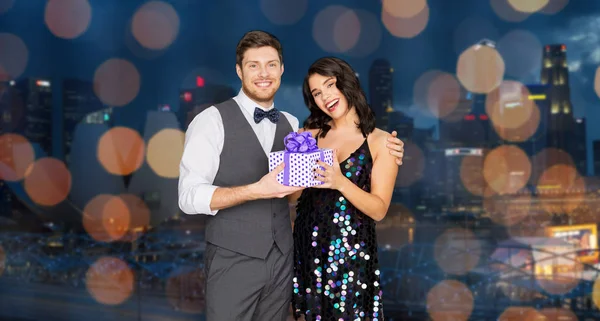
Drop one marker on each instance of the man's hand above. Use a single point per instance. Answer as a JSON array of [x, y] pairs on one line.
[[269, 187], [396, 147]]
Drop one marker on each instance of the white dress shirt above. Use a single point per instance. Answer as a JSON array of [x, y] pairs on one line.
[[202, 148]]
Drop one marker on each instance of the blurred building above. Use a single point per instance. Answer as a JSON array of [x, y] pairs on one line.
[[381, 90], [193, 101], [36, 121], [596, 151], [80, 104]]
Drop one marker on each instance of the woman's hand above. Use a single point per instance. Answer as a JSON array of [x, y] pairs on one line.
[[332, 176]]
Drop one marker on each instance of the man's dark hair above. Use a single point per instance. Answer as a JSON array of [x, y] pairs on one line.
[[347, 82], [257, 39]]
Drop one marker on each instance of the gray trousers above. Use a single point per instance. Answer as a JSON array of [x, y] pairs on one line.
[[243, 288]]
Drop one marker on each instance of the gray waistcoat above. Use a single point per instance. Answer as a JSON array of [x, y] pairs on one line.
[[252, 227]]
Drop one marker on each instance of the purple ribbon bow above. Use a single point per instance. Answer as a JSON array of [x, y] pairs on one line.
[[300, 142]]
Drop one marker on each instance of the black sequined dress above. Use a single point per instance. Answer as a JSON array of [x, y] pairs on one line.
[[336, 272]]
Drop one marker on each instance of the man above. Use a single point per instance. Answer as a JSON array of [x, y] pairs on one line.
[[224, 174]]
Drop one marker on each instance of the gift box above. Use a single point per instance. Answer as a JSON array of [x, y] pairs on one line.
[[300, 156]]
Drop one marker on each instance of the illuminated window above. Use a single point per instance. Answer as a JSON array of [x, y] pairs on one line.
[[555, 108], [547, 63]]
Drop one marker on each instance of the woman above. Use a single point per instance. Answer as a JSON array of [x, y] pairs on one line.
[[336, 273]]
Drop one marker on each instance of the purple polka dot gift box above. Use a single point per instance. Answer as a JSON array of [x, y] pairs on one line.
[[300, 156]]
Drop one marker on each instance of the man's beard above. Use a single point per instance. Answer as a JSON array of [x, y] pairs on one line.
[[259, 97]]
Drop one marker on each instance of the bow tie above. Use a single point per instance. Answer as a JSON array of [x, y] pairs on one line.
[[260, 114]]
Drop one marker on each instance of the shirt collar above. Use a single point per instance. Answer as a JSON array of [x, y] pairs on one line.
[[248, 104]]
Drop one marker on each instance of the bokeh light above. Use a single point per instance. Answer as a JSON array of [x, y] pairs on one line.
[[116, 82], [457, 251], [155, 25], [450, 300], [521, 314], [121, 151], [404, 8], [480, 69], [509, 106], [106, 218], [6, 5], [406, 27], [369, 35], [506, 12], [521, 50], [509, 209], [16, 155], [443, 95], [68, 19], [139, 217], [413, 165], [597, 82], [595, 292], [506, 169], [47, 181], [336, 26], [529, 6], [558, 314], [165, 149], [13, 56], [471, 175], [110, 281], [554, 6], [346, 31], [284, 12]]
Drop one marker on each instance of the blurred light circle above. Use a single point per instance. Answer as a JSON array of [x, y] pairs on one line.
[[558, 314], [443, 95], [346, 31], [6, 5], [404, 8], [16, 155], [522, 133], [47, 181], [554, 6], [106, 218], [521, 314], [13, 56], [529, 6], [450, 300], [480, 69], [506, 12], [406, 27], [110, 281], [116, 82], [68, 19], [369, 34], [506, 169], [139, 214], [413, 165], [284, 12], [165, 149], [471, 175], [155, 25], [472, 30], [330, 23], [597, 82], [121, 151], [509, 106], [457, 251], [520, 50], [422, 85]]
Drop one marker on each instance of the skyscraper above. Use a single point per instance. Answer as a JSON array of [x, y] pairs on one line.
[[36, 124], [194, 100], [80, 103], [556, 74], [381, 95]]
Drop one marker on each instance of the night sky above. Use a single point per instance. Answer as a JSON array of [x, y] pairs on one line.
[[209, 31]]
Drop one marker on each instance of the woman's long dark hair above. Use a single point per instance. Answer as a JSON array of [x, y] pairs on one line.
[[347, 82]]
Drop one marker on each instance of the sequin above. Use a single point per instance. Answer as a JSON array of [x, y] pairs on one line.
[[338, 278]]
